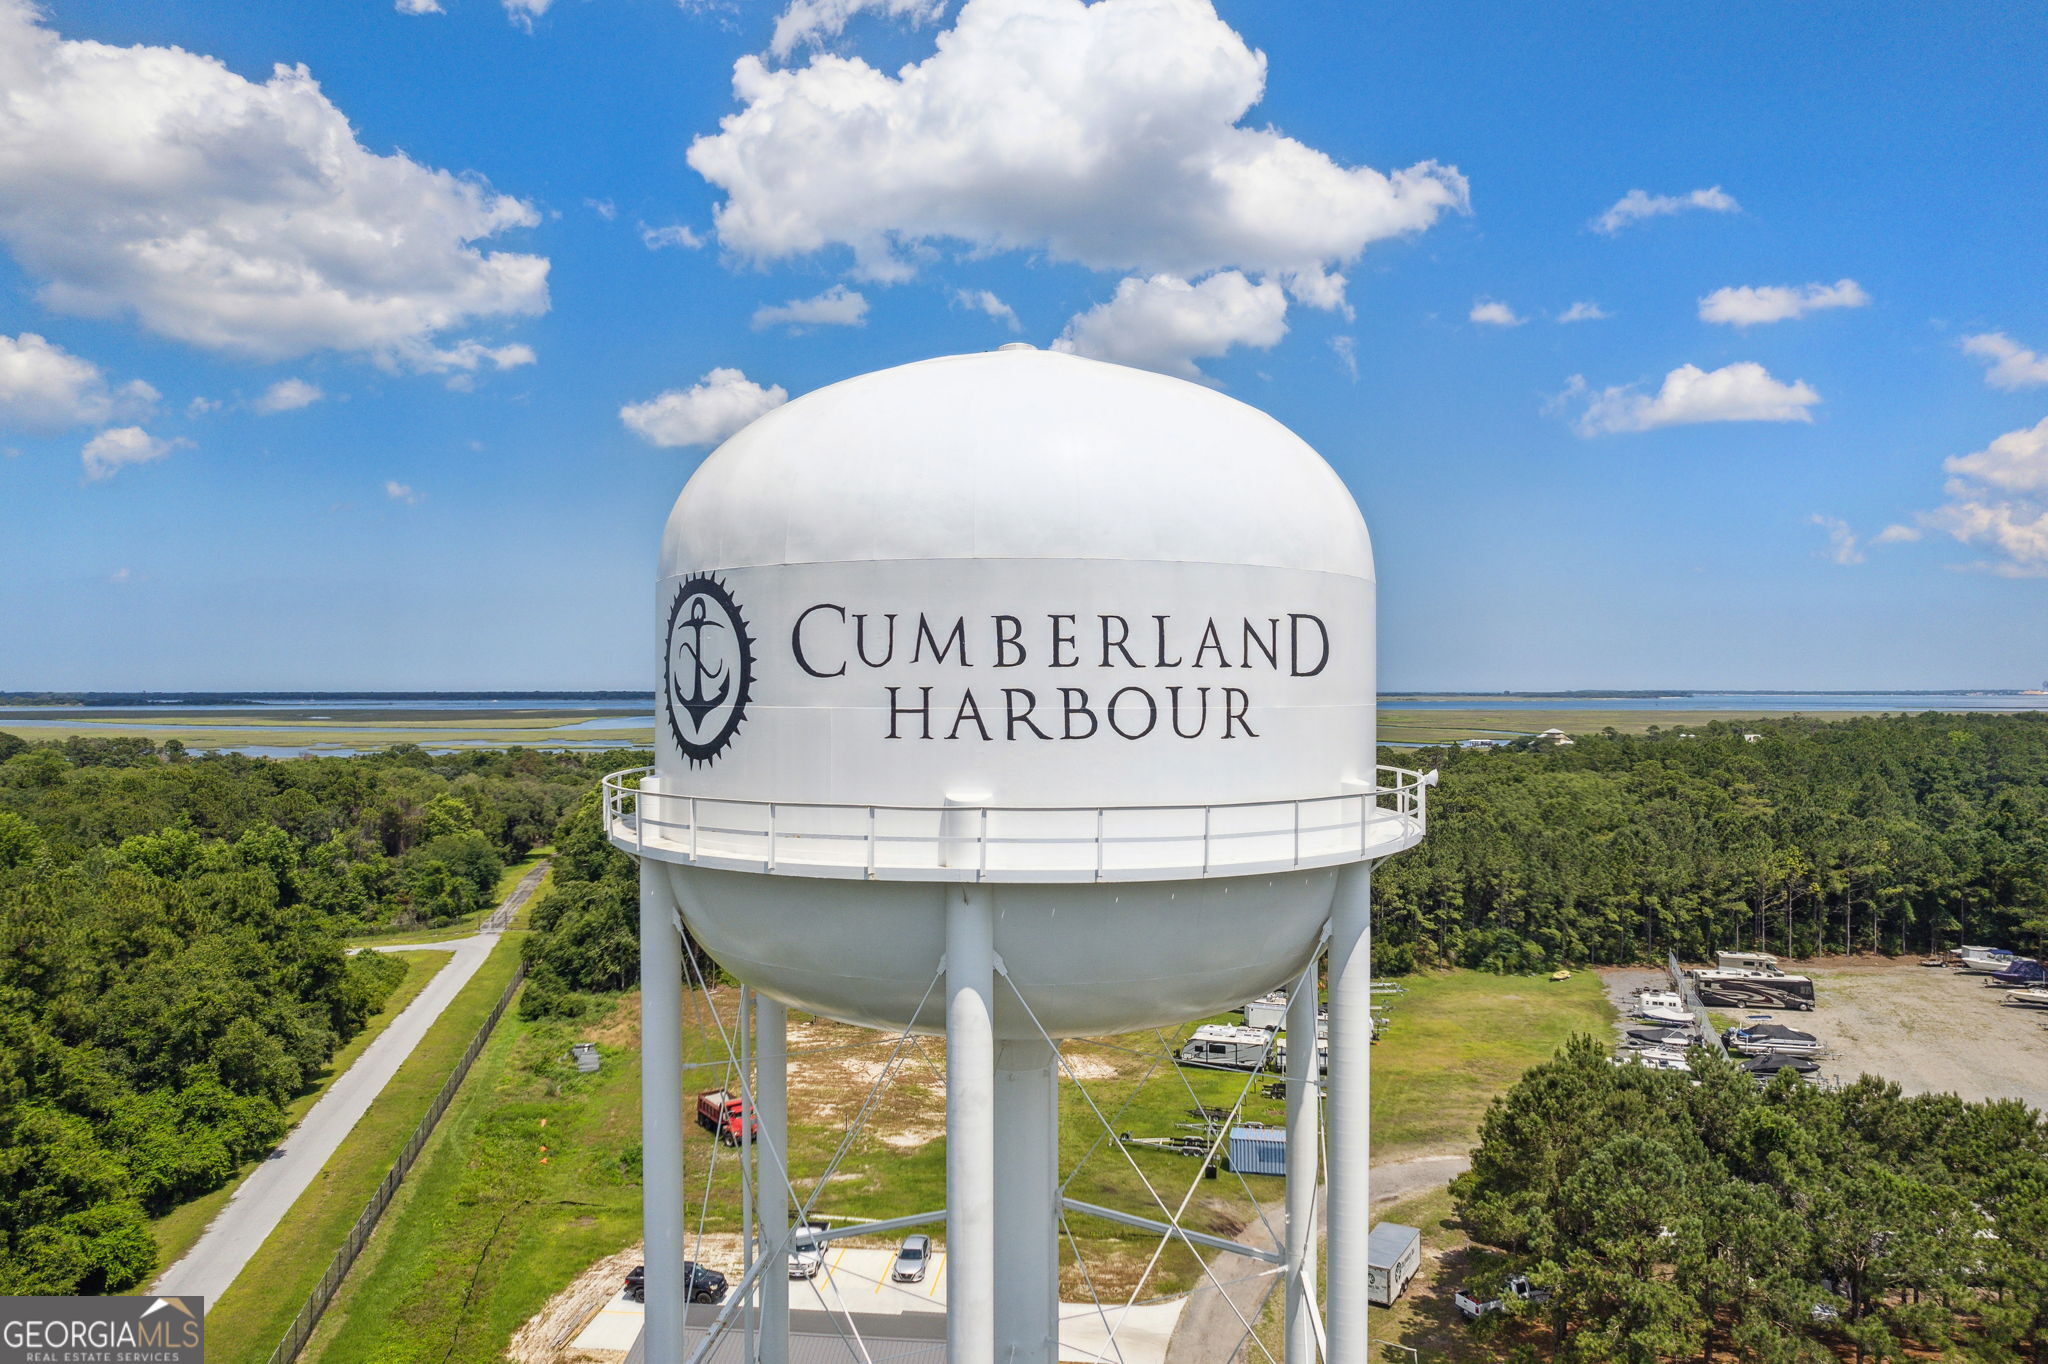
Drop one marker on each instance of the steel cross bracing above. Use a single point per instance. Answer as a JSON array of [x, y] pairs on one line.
[[741, 1304]]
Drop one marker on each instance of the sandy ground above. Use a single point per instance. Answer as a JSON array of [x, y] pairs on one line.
[[1932, 1030]]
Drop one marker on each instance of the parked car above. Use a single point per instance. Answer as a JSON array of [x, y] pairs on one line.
[[699, 1283], [912, 1259], [806, 1253], [1517, 1289]]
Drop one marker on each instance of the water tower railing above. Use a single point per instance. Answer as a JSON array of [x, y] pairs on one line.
[[1018, 843]]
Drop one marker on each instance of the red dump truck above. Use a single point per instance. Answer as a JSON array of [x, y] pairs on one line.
[[725, 1116]]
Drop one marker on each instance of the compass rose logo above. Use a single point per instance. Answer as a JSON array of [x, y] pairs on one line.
[[708, 668]]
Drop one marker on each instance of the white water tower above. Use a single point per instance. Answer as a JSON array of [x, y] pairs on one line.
[[1014, 697]]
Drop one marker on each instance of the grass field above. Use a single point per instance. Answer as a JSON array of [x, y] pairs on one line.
[[1459, 1038], [252, 1315], [533, 1176], [177, 1229]]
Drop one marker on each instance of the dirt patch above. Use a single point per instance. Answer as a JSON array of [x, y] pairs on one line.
[[545, 1337], [911, 1138], [1083, 1067]]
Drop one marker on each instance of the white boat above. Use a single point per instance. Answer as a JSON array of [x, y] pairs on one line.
[[1982, 960], [1655, 1058], [1662, 1006], [2036, 997]]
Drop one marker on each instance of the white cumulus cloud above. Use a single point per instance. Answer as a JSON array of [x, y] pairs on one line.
[[2013, 366], [814, 21], [1166, 323], [420, 7], [983, 301], [1842, 543], [1491, 312], [1107, 134], [1741, 392], [2016, 462], [45, 387], [233, 215], [287, 395], [111, 450], [1584, 311], [402, 492], [1748, 306], [706, 413], [838, 306], [1997, 499], [1637, 205]]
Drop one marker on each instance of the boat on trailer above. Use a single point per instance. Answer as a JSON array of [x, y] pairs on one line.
[[1662, 1006], [1982, 961], [1765, 1039], [2033, 997]]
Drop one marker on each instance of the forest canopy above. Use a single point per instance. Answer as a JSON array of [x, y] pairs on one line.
[[1894, 834], [173, 968]]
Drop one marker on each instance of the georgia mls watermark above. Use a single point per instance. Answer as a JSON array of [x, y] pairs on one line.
[[102, 1330]]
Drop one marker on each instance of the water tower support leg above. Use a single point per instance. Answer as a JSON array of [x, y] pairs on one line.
[[1027, 1307], [970, 1125], [661, 1117], [1304, 1088], [1350, 1112], [771, 1106]]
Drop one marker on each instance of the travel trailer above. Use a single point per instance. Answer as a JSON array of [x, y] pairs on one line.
[[1218, 1046]]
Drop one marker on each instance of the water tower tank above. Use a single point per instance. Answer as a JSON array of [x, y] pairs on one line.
[[1049, 679], [1123, 624]]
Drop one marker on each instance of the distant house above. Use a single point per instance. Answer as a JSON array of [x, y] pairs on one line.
[[1556, 736], [1751, 738], [1482, 743]]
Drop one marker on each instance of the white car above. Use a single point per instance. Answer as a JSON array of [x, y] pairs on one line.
[[806, 1253], [912, 1259]]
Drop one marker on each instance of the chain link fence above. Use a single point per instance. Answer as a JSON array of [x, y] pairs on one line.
[[1690, 993], [359, 1235]]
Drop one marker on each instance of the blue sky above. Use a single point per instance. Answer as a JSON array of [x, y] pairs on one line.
[[390, 318]]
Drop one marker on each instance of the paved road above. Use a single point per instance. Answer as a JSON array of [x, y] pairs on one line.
[[273, 1186], [1211, 1331]]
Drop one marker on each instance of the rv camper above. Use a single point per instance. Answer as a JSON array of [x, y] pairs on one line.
[[1751, 980], [1392, 1255], [1217, 1046]]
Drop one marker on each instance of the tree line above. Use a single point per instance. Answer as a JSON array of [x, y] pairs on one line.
[[1798, 836], [1676, 1217], [173, 969]]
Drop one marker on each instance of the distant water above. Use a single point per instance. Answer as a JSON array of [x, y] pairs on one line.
[[614, 715]]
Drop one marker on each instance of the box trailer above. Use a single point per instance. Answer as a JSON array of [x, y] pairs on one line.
[[1258, 1150], [1392, 1255]]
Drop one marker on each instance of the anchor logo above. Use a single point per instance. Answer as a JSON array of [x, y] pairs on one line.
[[708, 668]]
